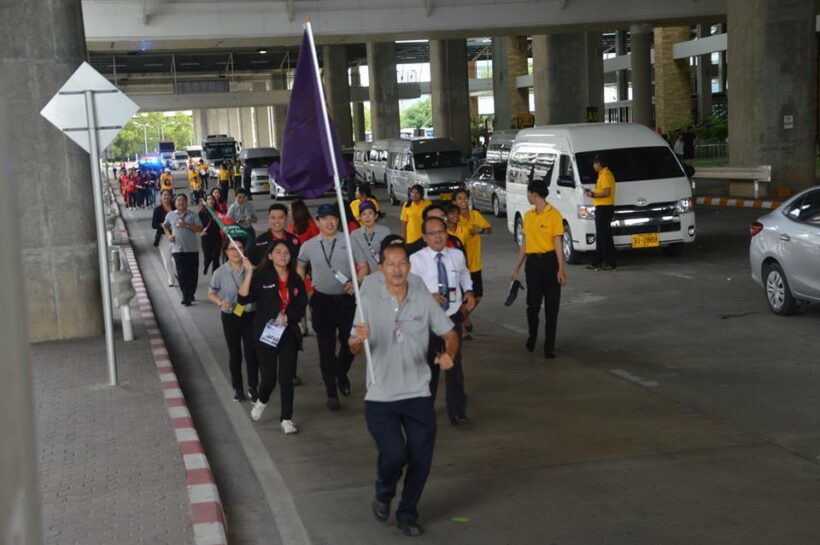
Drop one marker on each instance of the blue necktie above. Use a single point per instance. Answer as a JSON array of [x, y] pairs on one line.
[[443, 284]]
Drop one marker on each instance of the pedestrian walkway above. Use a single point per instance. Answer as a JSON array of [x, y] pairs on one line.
[[110, 468]]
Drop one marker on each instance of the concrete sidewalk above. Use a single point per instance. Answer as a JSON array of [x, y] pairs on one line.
[[110, 468]]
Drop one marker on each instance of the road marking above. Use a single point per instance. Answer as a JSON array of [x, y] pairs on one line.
[[515, 329], [633, 378], [678, 275]]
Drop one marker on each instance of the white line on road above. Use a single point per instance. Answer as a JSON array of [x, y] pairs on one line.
[[678, 275], [633, 378]]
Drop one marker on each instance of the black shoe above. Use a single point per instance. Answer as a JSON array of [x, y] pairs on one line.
[[183, 301], [238, 396], [297, 381], [333, 404], [594, 266], [549, 354], [609, 268], [205, 271], [344, 386], [187, 303], [460, 421], [410, 529], [253, 395], [531, 344], [381, 510]]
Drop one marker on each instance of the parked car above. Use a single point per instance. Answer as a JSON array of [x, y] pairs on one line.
[[487, 187], [784, 252], [376, 172]]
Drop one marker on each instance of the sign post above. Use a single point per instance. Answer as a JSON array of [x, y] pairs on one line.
[[91, 111]]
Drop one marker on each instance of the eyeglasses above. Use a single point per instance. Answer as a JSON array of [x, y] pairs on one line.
[[436, 232]]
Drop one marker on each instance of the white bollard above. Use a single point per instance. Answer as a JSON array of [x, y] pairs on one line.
[[125, 318]]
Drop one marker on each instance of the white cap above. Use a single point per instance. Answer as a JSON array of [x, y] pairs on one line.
[[167, 170]]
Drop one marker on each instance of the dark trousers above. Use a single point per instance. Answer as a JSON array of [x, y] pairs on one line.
[[211, 250], [453, 378], [223, 189], [246, 184], [238, 332], [204, 181], [541, 271], [332, 315], [279, 362], [237, 182], [187, 273], [405, 434], [604, 245]]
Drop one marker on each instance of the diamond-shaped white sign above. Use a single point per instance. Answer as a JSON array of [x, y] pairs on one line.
[[67, 109]]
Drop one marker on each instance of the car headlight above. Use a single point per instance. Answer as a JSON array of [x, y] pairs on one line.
[[683, 205], [586, 212]]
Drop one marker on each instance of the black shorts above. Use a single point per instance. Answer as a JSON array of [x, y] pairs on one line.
[[478, 284]]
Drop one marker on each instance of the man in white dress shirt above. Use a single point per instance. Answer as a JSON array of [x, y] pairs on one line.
[[445, 273]]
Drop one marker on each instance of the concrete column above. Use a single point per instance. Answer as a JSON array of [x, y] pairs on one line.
[[358, 107], [450, 91], [640, 37], [60, 265], [559, 78], [19, 491], [510, 55], [212, 120], [277, 115], [337, 89], [472, 73], [722, 63], [772, 53], [234, 123], [200, 125], [384, 90], [261, 118], [247, 128], [594, 45], [704, 78], [223, 119], [621, 76], [673, 80]]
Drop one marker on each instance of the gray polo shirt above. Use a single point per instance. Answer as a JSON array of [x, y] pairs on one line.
[[370, 243], [400, 369], [225, 282], [242, 212], [186, 240], [318, 251]]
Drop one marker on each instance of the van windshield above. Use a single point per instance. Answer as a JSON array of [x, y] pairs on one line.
[[437, 159], [632, 164], [259, 162]]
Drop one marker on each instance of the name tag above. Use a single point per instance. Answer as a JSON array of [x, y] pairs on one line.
[[272, 333], [238, 310], [341, 277]]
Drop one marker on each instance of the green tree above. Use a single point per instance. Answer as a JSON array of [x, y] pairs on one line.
[[418, 115], [148, 129]]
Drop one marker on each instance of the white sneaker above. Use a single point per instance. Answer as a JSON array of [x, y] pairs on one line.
[[288, 427], [257, 410]]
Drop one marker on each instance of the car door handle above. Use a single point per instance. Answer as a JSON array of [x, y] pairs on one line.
[[785, 238], [558, 191]]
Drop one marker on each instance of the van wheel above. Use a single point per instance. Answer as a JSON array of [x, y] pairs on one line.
[[518, 231], [571, 255], [672, 250], [393, 200], [497, 207], [778, 294]]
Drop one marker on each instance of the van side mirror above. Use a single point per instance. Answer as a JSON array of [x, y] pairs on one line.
[[566, 181], [408, 168], [689, 170]]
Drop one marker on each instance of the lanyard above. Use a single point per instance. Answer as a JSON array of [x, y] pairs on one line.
[[241, 278], [284, 295], [369, 240], [324, 253]]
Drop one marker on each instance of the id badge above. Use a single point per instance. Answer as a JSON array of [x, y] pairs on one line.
[[398, 336], [375, 254], [272, 334], [452, 296], [238, 310], [341, 277]]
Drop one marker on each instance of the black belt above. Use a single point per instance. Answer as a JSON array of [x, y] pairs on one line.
[[337, 296], [542, 254]]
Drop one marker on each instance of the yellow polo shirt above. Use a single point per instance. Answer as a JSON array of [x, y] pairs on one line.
[[605, 180], [194, 181], [166, 181], [411, 215], [354, 206], [472, 244], [224, 175], [540, 230]]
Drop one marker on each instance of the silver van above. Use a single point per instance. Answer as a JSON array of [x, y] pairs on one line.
[[436, 164], [257, 160], [499, 146], [376, 169], [361, 159]]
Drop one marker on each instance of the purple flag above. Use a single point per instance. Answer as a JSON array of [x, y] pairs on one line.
[[305, 166]]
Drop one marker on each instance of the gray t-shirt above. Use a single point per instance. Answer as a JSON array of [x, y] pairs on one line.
[[318, 251], [186, 240], [242, 212], [370, 243], [399, 337], [225, 282]]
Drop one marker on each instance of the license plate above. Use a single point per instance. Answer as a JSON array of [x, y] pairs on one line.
[[266, 185], [646, 240], [446, 196]]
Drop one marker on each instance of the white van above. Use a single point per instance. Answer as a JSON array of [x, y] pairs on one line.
[[653, 196], [499, 146], [436, 164], [376, 173], [257, 161], [180, 160], [361, 158]]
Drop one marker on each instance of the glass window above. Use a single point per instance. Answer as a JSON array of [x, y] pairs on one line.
[[374, 154], [438, 159], [632, 164], [260, 162], [499, 174], [807, 208], [525, 166]]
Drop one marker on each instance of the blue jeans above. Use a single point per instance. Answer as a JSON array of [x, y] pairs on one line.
[[405, 434]]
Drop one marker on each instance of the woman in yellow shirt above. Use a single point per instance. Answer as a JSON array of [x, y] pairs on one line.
[[195, 185], [472, 224], [411, 214], [166, 181], [543, 232]]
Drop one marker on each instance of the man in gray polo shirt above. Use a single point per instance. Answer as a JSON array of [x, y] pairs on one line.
[[332, 304], [399, 316], [181, 226]]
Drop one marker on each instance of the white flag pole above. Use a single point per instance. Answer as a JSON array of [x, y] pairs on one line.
[[338, 186]]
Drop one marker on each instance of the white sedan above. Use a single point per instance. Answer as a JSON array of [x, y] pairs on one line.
[[785, 252]]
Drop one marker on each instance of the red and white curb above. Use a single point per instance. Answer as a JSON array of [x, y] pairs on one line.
[[206, 506], [737, 203]]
